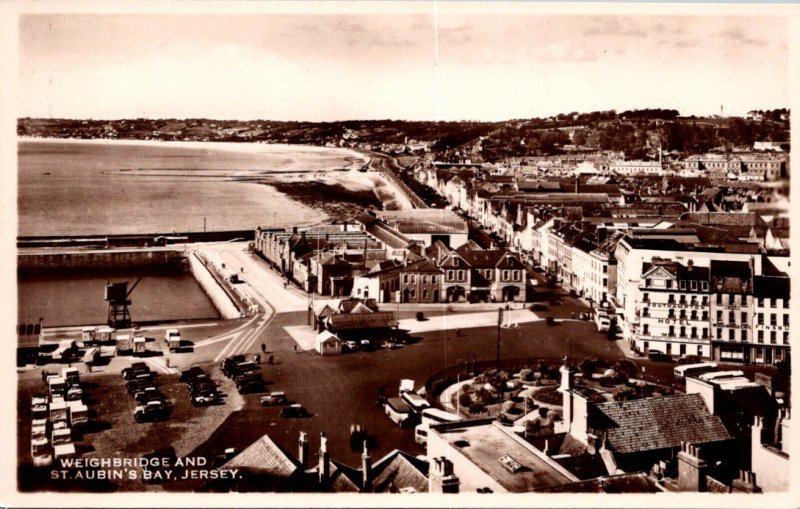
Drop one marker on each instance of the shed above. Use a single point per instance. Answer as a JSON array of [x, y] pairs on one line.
[[328, 343]]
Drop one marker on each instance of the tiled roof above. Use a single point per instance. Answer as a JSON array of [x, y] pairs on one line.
[[657, 423], [377, 320], [399, 470], [264, 457]]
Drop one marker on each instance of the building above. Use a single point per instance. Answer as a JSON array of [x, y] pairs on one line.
[[631, 168], [420, 282], [427, 225]]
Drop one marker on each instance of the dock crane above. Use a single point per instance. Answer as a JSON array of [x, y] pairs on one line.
[[118, 297]]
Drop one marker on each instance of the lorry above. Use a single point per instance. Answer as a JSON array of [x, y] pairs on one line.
[[397, 410], [65, 350], [58, 411], [57, 386], [71, 375], [173, 339], [78, 413], [139, 345], [40, 453]]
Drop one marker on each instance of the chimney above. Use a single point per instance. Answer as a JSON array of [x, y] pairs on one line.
[[577, 184], [441, 478], [746, 483], [324, 459], [366, 469], [690, 266], [294, 229], [691, 469], [303, 450], [303, 235]]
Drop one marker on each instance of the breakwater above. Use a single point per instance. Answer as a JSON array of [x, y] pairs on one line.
[[60, 260]]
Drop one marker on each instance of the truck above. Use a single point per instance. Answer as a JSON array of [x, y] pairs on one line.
[[78, 413], [88, 335], [57, 386], [65, 350], [71, 376], [173, 339], [124, 344], [40, 453], [61, 436], [139, 345], [39, 407], [397, 410], [58, 411]]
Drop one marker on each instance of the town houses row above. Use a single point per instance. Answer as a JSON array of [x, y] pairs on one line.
[[420, 256]]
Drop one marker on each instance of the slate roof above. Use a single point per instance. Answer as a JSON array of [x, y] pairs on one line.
[[399, 470], [264, 457], [657, 423], [377, 320], [422, 266], [638, 482]]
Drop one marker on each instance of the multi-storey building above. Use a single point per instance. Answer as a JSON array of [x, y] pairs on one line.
[[731, 311], [771, 313], [674, 308]]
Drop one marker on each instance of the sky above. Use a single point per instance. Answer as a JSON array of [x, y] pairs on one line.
[[427, 63]]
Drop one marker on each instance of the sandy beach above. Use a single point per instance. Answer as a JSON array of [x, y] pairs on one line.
[[173, 185]]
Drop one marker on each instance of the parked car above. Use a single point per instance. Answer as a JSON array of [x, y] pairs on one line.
[[350, 345], [137, 385], [690, 359], [151, 411], [251, 385], [187, 375], [136, 369], [231, 361], [205, 398], [388, 345], [365, 344], [148, 394], [657, 355], [274, 399], [293, 411]]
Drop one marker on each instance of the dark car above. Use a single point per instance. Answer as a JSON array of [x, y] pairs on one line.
[[148, 394], [293, 411], [251, 385], [190, 374], [690, 359], [136, 366], [135, 386], [206, 387], [249, 378], [231, 361], [151, 411], [658, 356], [133, 374]]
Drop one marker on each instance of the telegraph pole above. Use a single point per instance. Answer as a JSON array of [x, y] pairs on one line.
[[499, 322]]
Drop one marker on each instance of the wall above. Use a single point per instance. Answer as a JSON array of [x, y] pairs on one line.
[[227, 309], [60, 260]]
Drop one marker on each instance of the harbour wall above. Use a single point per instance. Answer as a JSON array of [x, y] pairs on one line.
[[41, 261], [221, 300]]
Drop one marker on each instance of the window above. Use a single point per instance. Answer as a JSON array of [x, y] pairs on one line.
[[450, 275], [719, 299], [761, 302], [773, 337], [694, 332], [669, 284], [605, 269], [731, 335], [699, 351], [705, 300], [745, 299], [761, 319], [682, 350], [731, 317], [646, 329], [705, 333], [424, 294], [694, 285], [671, 299], [731, 299], [719, 333], [645, 297], [424, 280], [648, 282], [683, 285], [744, 317], [694, 300], [773, 302], [773, 319], [671, 330], [694, 315], [461, 275], [760, 336], [704, 286], [785, 303], [683, 332], [719, 315], [683, 314], [605, 281], [682, 299], [744, 336], [405, 278], [413, 294], [786, 337], [516, 275], [705, 316], [413, 279], [645, 312], [505, 275], [671, 314]]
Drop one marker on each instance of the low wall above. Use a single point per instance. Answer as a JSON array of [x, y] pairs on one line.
[[60, 260], [224, 304]]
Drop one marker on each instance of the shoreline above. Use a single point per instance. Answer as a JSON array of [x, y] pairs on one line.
[[385, 191]]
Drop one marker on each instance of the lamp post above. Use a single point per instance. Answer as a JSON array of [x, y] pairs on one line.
[[499, 322]]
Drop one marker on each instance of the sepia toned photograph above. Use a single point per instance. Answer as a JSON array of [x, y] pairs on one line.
[[477, 250]]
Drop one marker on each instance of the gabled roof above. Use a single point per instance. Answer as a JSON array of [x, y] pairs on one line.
[[360, 308], [264, 458], [648, 424], [399, 470], [508, 262], [344, 479], [469, 245], [376, 320], [421, 266], [454, 260], [486, 259]]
